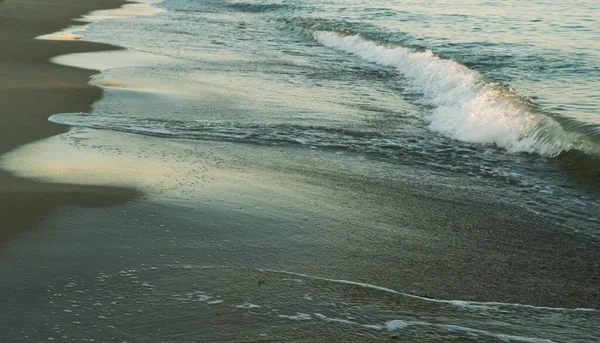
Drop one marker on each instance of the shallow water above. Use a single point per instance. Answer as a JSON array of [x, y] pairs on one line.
[[488, 91], [183, 273], [345, 128], [179, 302]]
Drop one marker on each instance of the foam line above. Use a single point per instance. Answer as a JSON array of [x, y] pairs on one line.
[[133, 9], [474, 305], [396, 325], [465, 107]]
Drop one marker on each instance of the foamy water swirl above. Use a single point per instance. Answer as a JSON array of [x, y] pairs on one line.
[[465, 107]]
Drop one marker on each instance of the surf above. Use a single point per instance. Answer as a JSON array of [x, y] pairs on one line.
[[464, 106]]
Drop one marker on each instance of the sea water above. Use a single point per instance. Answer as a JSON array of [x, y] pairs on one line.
[[497, 99], [506, 93]]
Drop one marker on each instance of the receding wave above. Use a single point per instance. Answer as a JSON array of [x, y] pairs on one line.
[[226, 130], [424, 149], [400, 146], [300, 303], [465, 106]]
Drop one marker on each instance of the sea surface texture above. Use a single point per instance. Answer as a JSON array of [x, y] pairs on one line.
[[501, 98], [502, 92]]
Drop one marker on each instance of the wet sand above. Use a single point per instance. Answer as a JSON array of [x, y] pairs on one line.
[[31, 89], [431, 242]]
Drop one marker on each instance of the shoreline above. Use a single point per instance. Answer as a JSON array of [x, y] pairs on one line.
[[66, 89], [239, 242], [259, 226], [29, 75]]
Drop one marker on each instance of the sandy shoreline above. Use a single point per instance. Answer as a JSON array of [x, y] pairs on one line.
[[326, 223], [460, 232], [31, 89]]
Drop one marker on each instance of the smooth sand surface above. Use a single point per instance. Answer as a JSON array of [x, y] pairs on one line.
[[32, 89]]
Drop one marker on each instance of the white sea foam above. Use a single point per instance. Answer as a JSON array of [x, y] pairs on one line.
[[465, 107], [247, 305], [333, 320], [398, 325], [298, 316], [473, 305], [130, 10]]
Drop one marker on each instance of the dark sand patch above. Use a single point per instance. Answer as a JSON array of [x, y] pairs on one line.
[[32, 89]]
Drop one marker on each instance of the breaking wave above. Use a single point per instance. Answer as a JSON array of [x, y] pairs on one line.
[[465, 106]]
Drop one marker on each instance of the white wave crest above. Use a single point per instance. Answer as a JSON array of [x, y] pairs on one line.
[[465, 107]]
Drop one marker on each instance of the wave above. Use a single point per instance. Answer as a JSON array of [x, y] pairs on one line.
[[464, 106], [399, 146], [396, 325], [474, 313], [308, 135], [472, 305], [401, 325]]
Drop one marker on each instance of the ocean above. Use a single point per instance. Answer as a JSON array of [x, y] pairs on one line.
[[501, 93], [486, 100]]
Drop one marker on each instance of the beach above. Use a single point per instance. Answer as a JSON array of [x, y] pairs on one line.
[[31, 88], [109, 235]]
